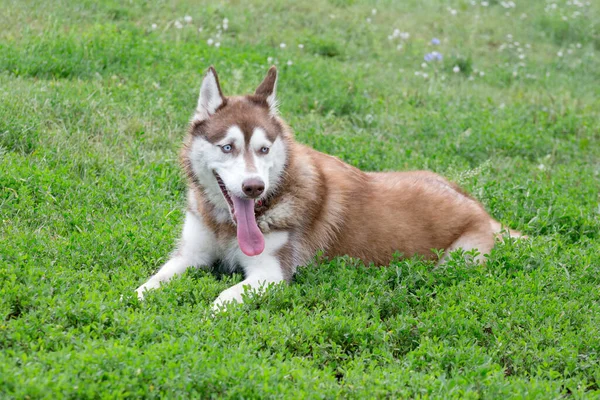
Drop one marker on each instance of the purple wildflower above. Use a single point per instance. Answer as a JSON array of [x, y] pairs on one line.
[[435, 41], [433, 56]]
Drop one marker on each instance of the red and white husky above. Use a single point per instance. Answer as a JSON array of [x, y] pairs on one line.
[[259, 200]]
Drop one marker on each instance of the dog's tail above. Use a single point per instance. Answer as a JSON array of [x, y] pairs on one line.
[[501, 231]]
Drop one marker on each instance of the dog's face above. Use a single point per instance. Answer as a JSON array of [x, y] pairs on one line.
[[238, 150]]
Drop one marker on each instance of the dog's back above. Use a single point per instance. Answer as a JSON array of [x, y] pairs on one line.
[[378, 214]]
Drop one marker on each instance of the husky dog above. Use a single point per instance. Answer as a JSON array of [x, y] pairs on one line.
[[259, 200]]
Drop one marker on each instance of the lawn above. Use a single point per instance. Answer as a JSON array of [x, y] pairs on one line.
[[502, 98]]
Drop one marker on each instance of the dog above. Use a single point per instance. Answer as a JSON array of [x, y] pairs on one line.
[[259, 200]]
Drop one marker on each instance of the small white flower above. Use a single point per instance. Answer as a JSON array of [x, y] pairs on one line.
[[225, 21], [564, 18], [481, 73], [178, 25], [424, 65], [501, 106], [404, 35], [425, 75], [187, 19], [417, 73], [399, 47], [270, 60], [300, 46], [374, 11], [282, 45], [570, 51], [521, 56], [471, 78], [485, 3], [541, 167], [523, 16], [210, 42], [456, 69], [218, 44], [453, 11], [578, 45], [200, 29], [289, 62], [560, 54], [515, 73], [368, 20], [154, 26]]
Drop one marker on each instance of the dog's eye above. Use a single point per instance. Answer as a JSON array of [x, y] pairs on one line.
[[264, 150], [227, 148]]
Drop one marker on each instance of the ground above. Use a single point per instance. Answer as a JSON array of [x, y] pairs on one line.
[[500, 97]]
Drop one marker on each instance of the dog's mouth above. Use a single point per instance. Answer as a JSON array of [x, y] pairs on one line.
[[249, 236]]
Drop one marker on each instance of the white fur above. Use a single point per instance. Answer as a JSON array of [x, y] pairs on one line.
[[196, 248], [260, 271], [199, 247], [210, 97]]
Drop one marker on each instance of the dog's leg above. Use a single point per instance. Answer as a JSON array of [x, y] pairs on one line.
[[196, 248], [479, 237], [260, 271]]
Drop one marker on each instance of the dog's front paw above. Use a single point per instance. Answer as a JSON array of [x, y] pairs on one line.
[[152, 283], [231, 295]]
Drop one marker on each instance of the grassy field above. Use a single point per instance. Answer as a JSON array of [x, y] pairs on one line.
[[94, 102]]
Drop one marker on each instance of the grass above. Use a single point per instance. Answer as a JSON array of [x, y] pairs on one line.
[[94, 104]]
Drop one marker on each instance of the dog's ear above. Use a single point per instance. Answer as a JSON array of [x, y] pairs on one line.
[[210, 98], [268, 88]]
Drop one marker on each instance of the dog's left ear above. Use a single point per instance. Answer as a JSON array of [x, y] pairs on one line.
[[268, 88]]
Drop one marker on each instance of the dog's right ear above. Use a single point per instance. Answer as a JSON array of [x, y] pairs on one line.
[[210, 98]]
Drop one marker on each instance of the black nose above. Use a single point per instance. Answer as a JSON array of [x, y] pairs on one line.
[[253, 187]]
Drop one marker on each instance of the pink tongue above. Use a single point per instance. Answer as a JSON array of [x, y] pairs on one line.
[[249, 237]]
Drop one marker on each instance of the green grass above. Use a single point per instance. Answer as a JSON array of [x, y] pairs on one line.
[[94, 105]]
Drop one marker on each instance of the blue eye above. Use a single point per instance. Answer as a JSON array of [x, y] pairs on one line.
[[227, 148], [264, 150]]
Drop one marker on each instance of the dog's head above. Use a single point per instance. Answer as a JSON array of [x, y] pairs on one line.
[[237, 152]]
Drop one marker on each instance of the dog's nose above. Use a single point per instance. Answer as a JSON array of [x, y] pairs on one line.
[[253, 187]]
